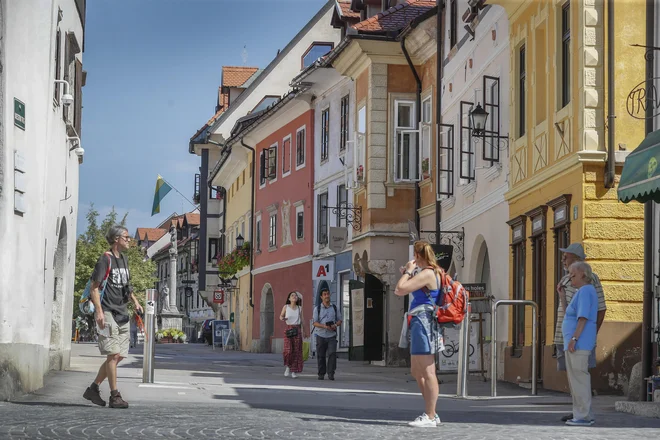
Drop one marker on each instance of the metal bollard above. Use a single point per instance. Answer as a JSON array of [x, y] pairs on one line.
[[493, 341], [464, 356], [149, 337]]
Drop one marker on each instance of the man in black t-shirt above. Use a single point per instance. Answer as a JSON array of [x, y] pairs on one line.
[[111, 314]]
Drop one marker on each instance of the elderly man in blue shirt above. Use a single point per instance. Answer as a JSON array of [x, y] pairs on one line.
[[327, 318]]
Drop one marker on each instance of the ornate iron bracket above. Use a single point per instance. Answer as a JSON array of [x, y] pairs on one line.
[[347, 211], [454, 238], [483, 135]]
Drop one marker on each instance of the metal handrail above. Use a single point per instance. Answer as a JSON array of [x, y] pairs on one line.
[[493, 342]]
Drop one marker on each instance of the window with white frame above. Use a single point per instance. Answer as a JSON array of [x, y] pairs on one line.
[[322, 207], [272, 230], [257, 232], [467, 154], [286, 156], [427, 113], [272, 162], [406, 151], [300, 222], [446, 160], [344, 123], [359, 151], [300, 148], [325, 133], [342, 204]]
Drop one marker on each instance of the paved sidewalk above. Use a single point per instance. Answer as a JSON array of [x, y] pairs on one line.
[[201, 393]]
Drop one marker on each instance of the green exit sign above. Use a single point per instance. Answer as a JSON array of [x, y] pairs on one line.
[[19, 114]]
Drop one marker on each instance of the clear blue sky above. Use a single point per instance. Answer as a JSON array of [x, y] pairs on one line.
[[153, 70]]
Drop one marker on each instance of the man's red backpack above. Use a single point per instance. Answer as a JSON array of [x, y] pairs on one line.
[[452, 303]]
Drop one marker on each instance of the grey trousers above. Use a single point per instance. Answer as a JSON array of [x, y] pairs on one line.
[[326, 347], [579, 380]]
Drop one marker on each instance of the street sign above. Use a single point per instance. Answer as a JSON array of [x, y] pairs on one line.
[[219, 296], [477, 290], [188, 281], [338, 238], [323, 270], [19, 114]]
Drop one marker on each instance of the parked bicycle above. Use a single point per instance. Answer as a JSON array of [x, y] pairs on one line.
[[452, 347]]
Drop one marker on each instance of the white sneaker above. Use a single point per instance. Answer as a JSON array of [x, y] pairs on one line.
[[423, 421], [437, 420], [294, 375], [287, 371]]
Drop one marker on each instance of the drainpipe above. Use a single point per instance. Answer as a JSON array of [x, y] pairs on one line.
[[610, 171], [418, 113], [438, 111], [254, 177], [649, 226]]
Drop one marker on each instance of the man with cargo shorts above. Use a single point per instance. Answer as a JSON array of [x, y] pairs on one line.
[[111, 314], [565, 290]]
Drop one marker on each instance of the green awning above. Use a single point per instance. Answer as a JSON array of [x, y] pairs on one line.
[[640, 179]]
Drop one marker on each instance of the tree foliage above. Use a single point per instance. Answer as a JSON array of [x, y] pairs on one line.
[[92, 244]]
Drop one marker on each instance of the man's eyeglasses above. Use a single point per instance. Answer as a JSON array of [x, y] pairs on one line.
[[126, 237]]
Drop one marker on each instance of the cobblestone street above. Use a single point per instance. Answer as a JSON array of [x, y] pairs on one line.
[[200, 393]]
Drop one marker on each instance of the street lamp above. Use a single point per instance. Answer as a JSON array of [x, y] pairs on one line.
[[479, 117], [239, 241], [233, 281]]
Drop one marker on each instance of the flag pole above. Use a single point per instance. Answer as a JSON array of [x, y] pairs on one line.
[[184, 197]]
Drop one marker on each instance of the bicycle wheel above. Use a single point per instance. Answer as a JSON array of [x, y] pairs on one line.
[[471, 349], [449, 351]]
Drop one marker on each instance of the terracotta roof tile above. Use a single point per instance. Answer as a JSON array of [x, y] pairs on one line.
[[345, 10], [395, 18], [193, 219], [210, 121], [234, 76], [150, 234]]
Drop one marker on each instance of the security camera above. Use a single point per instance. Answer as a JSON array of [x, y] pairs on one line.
[[80, 151], [67, 99]]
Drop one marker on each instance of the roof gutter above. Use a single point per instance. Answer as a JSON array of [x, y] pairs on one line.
[[238, 137], [418, 113]]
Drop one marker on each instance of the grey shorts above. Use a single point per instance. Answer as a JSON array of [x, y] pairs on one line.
[[118, 341]]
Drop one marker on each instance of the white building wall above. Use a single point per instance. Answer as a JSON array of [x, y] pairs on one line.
[[331, 173], [479, 206], [284, 69], [35, 311]]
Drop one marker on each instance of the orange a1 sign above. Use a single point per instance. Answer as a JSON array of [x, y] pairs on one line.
[[219, 296], [323, 270]]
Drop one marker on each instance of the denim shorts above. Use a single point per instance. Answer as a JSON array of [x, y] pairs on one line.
[[419, 339]]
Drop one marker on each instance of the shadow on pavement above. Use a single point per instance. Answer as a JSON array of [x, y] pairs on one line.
[[367, 408], [52, 404]]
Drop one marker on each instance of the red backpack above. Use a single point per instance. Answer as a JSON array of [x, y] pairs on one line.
[[452, 303]]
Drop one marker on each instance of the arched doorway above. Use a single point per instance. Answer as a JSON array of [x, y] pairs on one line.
[[58, 328], [267, 319]]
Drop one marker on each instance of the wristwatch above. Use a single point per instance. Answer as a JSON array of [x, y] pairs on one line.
[[574, 339]]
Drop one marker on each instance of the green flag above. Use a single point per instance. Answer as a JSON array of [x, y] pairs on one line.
[[162, 188]]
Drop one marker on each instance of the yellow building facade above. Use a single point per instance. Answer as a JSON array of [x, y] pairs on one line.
[[558, 160], [238, 215]]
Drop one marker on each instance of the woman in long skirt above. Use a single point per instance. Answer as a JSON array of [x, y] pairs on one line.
[[293, 344]]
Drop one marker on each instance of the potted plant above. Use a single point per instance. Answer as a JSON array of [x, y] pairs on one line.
[[233, 262], [425, 168], [360, 173]]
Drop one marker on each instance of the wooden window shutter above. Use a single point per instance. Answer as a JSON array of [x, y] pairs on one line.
[[77, 116]]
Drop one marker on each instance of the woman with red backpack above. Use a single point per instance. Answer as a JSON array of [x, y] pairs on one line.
[[425, 334]]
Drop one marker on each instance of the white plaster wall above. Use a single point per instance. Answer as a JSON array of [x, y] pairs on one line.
[[480, 206], [276, 82], [29, 241], [330, 173]]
